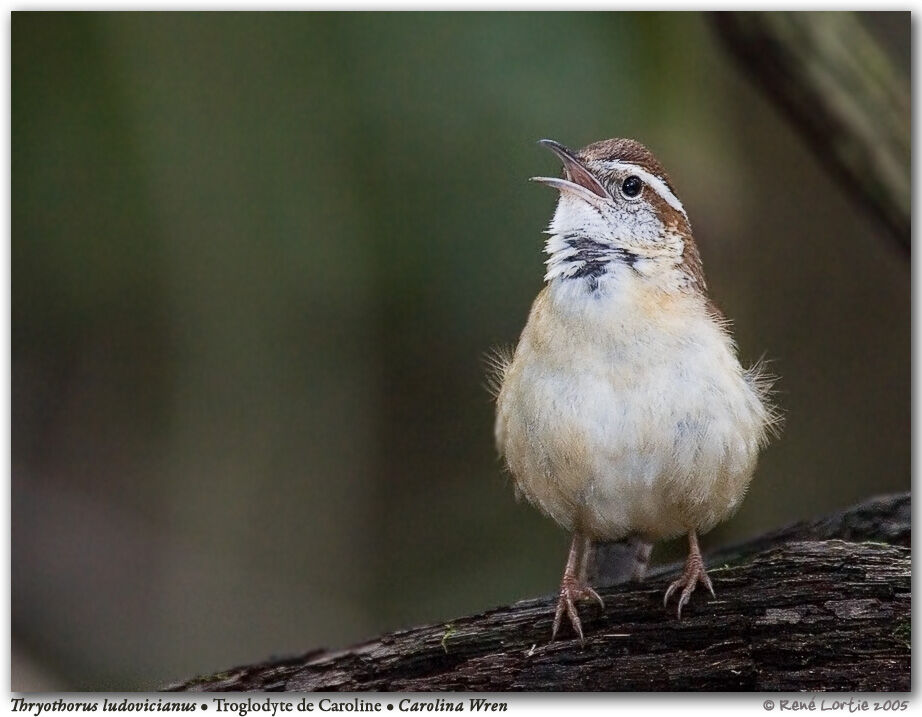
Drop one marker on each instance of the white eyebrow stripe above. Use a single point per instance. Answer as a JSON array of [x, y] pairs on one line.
[[659, 186]]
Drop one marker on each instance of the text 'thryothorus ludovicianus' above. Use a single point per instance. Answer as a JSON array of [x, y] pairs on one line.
[[624, 410]]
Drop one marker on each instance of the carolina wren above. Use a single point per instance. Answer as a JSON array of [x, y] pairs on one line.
[[624, 410]]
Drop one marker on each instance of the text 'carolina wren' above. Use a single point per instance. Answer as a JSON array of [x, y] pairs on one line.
[[624, 410]]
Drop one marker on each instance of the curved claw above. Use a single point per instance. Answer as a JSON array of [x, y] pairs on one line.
[[706, 581], [685, 597], [570, 592], [693, 574], [673, 586], [590, 593]]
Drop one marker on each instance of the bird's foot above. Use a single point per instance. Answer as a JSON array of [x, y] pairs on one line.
[[693, 574], [571, 590]]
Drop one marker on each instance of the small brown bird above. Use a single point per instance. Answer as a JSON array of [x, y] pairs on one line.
[[624, 410]]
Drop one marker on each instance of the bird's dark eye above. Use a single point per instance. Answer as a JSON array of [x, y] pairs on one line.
[[632, 186]]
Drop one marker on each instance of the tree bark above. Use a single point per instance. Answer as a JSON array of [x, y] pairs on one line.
[[818, 614], [839, 88]]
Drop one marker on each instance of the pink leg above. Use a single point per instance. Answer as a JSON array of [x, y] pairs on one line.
[[573, 587], [693, 574]]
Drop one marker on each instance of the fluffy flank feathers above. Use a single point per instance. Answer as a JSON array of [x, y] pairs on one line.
[[496, 361], [762, 381]]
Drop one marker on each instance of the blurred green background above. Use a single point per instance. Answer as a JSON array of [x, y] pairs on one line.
[[256, 260]]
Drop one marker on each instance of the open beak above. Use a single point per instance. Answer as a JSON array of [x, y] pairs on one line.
[[579, 180]]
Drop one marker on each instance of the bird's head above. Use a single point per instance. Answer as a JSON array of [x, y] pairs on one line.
[[617, 212]]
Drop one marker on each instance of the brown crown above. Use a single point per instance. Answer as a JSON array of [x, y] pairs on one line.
[[625, 150]]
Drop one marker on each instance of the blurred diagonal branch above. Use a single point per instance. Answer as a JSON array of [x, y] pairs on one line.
[[840, 89], [824, 614]]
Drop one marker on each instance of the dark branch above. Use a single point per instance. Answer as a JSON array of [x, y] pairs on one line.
[[886, 519], [819, 615]]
